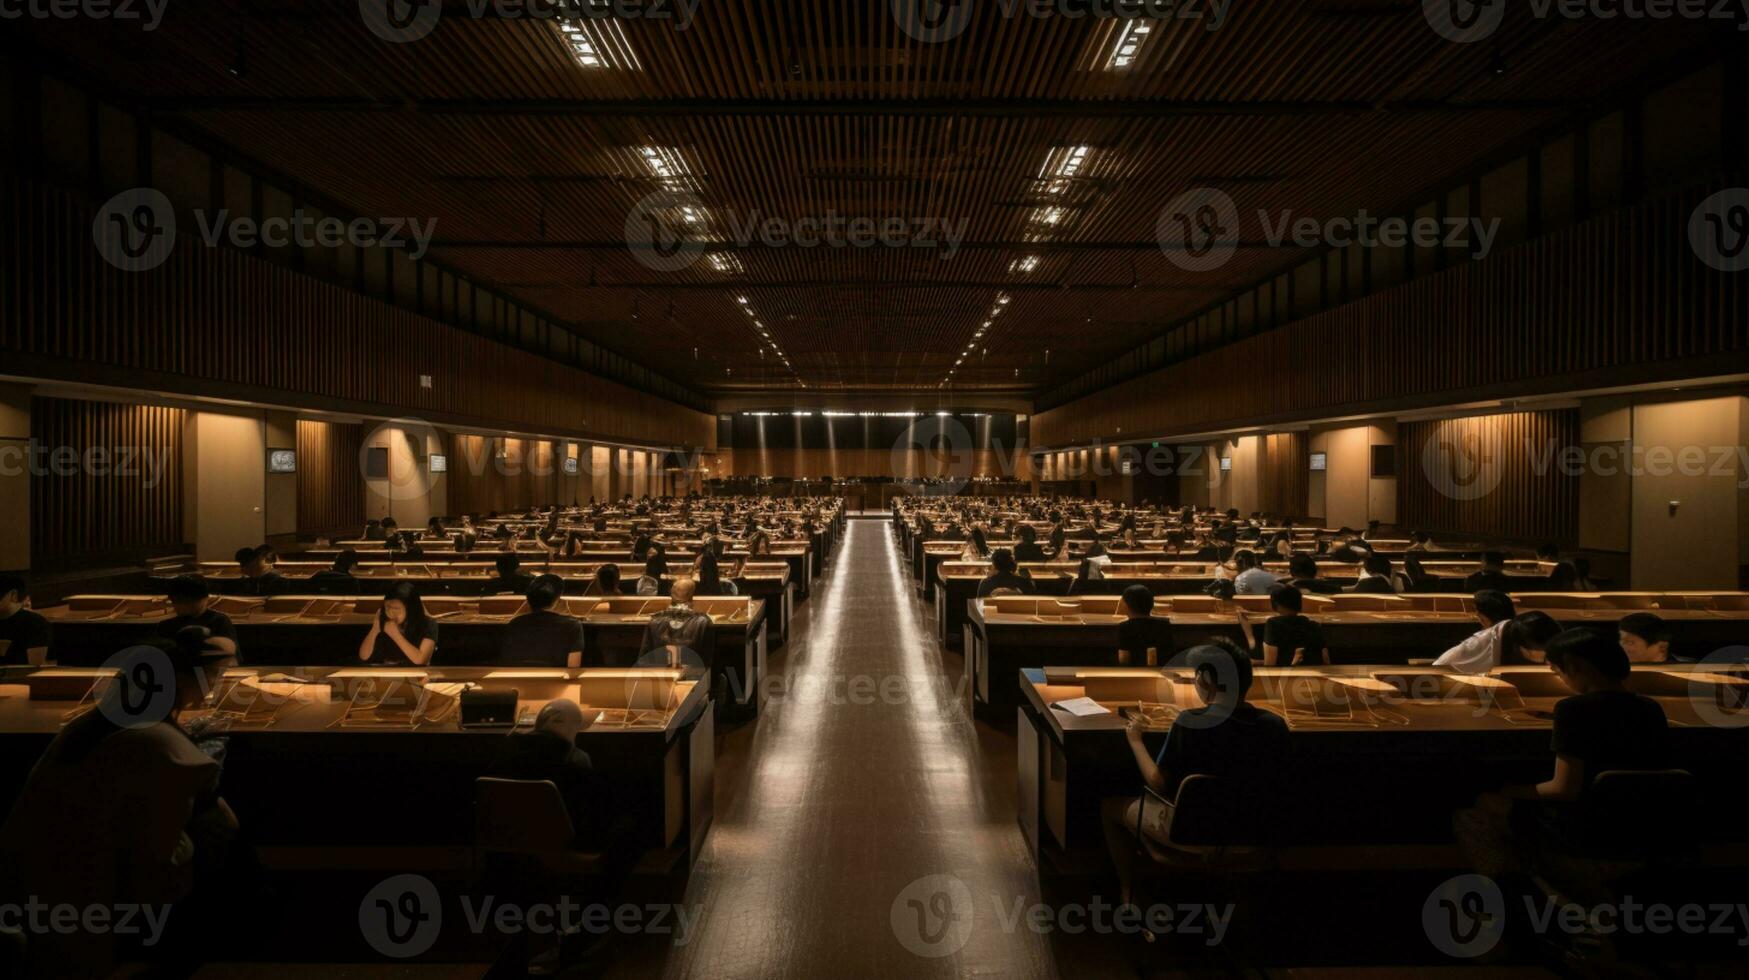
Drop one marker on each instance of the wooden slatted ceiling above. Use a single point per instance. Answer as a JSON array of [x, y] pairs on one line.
[[1329, 108]]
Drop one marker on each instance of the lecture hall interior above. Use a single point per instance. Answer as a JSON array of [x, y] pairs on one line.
[[874, 488]]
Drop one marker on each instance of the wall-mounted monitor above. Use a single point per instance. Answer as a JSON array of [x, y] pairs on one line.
[[571, 466], [376, 463], [1320, 462], [1226, 463], [282, 461], [437, 464]]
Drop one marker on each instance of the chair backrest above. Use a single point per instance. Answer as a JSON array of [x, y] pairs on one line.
[[520, 816], [1214, 812], [1624, 806]]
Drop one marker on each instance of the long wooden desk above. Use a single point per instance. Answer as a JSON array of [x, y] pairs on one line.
[[325, 631], [1369, 763], [800, 559], [307, 783], [1004, 635]]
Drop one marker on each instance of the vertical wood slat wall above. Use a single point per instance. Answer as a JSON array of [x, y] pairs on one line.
[[1615, 296], [330, 480], [1445, 466], [215, 315], [1286, 478], [108, 507], [530, 474]]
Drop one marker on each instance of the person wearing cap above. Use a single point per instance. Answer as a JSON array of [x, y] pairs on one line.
[[1005, 576], [191, 600], [1142, 637], [1228, 738]]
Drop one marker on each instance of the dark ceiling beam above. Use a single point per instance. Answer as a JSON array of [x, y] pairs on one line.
[[998, 108], [558, 245], [856, 286]]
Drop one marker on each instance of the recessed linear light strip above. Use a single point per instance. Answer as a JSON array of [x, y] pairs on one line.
[[1002, 301], [596, 39], [1062, 166], [765, 337]]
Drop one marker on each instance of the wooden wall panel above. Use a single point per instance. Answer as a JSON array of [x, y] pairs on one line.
[[816, 463], [116, 494], [1283, 483], [330, 481], [1621, 298], [216, 319], [529, 473], [1494, 474]]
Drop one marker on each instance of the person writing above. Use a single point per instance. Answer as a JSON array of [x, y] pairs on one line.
[[401, 634], [191, 604]]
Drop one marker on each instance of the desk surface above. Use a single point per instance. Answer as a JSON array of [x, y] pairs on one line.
[[306, 610]]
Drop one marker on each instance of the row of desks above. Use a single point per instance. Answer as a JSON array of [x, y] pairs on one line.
[[1379, 756], [1007, 634], [325, 631], [304, 772]]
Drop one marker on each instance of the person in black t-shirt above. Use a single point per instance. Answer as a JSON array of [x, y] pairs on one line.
[[258, 577], [542, 637], [25, 631], [1492, 577], [510, 580], [1604, 727], [191, 599], [1028, 549], [401, 635], [606, 582], [1005, 576], [338, 580], [1289, 639], [1142, 637], [1375, 577], [1228, 738], [1304, 569]]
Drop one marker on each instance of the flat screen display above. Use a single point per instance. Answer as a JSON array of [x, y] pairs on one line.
[[1226, 463], [282, 461], [438, 464], [1320, 462], [571, 466]]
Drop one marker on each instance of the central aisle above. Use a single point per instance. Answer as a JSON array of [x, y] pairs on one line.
[[865, 814]]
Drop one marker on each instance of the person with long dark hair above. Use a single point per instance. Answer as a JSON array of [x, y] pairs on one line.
[[655, 567], [401, 634]]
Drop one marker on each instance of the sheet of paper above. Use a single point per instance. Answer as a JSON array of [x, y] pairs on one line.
[[1082, 707]]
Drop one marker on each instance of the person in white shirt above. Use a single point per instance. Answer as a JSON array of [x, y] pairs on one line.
[[1481, 652], [1251, 579]]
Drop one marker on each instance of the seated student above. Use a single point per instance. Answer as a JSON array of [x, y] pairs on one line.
[[707, 573], [1028, 548], [1604, 727], [25, 632], [1492, 577], [1228, 738], [1375, 577], [1645, 637], [542, 637], [1142, 637], [391, 529], [1250, 578], [1289, 638], [122, 810], [550, 752], [373, 530], [1005, 576], [258, 577], [191, 601], [434, 529], [1304, 571], [338, 579], [606, 582], [401, 635], [1415, 577], [1526, 638], [680, 629], [1481, 652], [650, 583], [977, 547], [510, 579]]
